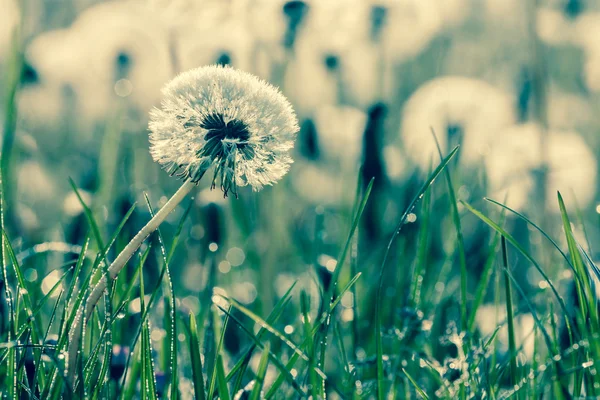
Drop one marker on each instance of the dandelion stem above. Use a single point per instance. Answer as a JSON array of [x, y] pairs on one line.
[[116, 267]]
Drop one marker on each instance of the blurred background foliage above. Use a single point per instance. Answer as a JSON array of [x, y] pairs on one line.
[[515, 83]]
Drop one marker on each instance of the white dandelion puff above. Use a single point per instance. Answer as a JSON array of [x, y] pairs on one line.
[[226, 119], [215, 117]]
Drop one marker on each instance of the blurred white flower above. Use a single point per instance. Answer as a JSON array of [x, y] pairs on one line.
[[340, 133], [411, 26], [567, 111], [458, 109], [206, 42], [37, 196], [9, 19], [227, 119], [504, 11], [308, 82], [318, 185], [270, 20], [51, 62], [587, 32], [72, 205], [113, 49], [553, 26], [454, 12], [125, 41], [490, 316], [395, 162], [516, 155], [333, 60]]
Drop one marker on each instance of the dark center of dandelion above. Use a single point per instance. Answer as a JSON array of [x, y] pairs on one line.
[[218, 129], [224, 140]]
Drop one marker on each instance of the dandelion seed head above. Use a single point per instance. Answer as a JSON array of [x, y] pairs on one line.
[[228, 120]]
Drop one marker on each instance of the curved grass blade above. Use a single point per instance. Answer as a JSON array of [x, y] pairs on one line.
[[459, 239], [261, 322], [330, 294], [408, 210], [213, 378], [420, 391], [524, 252], [221, 381], [310, 337], [197, 374], [171, 322], [259, 381], [484, 281], [89, 216], [512, 348], [537, 228], [242, 364], [284, 370]]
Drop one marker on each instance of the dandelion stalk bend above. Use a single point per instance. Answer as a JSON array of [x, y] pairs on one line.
[[210, 118]]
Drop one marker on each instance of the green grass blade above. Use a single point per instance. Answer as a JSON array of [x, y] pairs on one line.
[[310, 337], [524, 252], [381, 393], [418, 389], [422, 251], [197, 374], [89, 216], [241, 366], [512, 348], [261, 322], [170, 319], [221, 381], [260, 374], [583, 285], [378, 318], [218, 347], [148, 378], [460, 240], [282, 368]]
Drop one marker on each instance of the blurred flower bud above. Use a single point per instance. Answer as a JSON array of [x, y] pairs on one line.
[[378, 20], [29, 75], [212, 214], [524, 90], [574, 8], [123, 64], [224, 59], [309, 140], [373, 166], [120, 354], [295, 11], [332, 61], [161, 383], [29, 364]]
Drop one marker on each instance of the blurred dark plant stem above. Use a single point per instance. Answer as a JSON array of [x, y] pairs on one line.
[[373, 168], [12, 81], [539, 82]]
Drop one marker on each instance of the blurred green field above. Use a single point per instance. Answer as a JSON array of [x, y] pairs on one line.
[[384, 265]]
